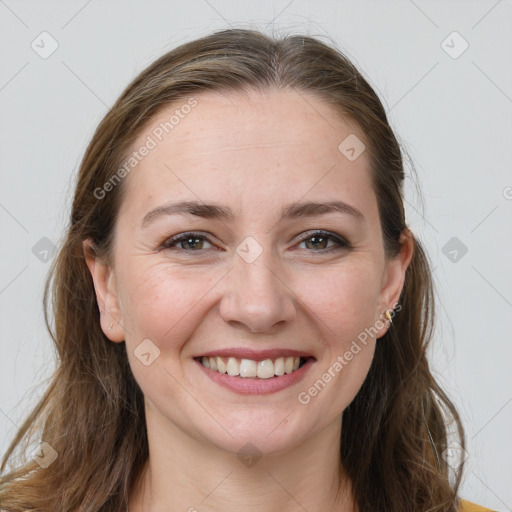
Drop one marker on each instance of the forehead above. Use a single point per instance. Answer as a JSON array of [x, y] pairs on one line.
[[282, 142]]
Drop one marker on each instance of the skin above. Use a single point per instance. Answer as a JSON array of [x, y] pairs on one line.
[[254, 153]]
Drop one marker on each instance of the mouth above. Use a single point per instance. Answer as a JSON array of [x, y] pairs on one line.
[[255, 372], [245, 368]]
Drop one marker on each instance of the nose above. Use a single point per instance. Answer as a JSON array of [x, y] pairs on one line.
[[256, 296]]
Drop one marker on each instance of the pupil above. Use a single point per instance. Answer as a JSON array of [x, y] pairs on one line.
[[319, 240], [191, 242]]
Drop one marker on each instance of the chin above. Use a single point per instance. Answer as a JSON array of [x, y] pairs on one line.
[[262, 432]]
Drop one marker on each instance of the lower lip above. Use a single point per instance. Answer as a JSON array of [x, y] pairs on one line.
[[256, 386]]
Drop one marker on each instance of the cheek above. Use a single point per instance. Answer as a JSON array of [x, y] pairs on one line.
[[342, 305], [343, 299], [162, 303]]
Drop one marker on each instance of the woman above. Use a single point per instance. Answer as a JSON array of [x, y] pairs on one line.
[[241, 313]]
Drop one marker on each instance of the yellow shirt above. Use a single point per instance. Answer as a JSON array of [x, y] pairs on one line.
[[467, 506]]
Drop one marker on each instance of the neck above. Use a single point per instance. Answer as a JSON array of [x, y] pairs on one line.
[[185, 474]]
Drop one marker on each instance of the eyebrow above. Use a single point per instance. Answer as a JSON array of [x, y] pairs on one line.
[[217, 211]]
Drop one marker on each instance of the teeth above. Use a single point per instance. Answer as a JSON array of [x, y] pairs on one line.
[[233, 367], [221, 366], [265, 369], [248, 368], [288, 365], [279, 366], [245, 368]]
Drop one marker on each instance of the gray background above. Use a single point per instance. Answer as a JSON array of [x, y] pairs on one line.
[[453, 113]]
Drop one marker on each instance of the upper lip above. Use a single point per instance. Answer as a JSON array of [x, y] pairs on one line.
[[255, 355]]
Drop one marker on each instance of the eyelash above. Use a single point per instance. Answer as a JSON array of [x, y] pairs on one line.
[[342, 244]]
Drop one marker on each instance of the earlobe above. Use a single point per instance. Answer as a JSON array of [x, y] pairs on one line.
[[106, 293], [394, 279]]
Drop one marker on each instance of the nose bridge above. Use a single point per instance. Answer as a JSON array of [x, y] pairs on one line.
[[256, 295]]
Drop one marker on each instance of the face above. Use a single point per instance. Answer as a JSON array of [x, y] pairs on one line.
[[258, 271]]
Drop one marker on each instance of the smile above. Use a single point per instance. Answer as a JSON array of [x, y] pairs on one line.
[[247, 371], [249, 368]]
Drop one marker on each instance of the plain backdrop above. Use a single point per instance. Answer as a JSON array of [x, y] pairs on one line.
[[443, 70]]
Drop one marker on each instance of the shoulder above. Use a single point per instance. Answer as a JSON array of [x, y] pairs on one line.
[[467, 506]]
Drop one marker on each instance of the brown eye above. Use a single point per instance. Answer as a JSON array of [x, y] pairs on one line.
[[323, 241], [317, 242], [190, 242]]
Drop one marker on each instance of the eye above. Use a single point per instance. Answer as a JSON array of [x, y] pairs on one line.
[[315, 241], [191, 242], [323, 241]]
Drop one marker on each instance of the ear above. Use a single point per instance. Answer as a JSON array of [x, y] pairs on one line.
[[105, 287], [393, 280]]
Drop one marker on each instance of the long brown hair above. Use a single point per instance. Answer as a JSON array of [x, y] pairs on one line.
[[92, 414]]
